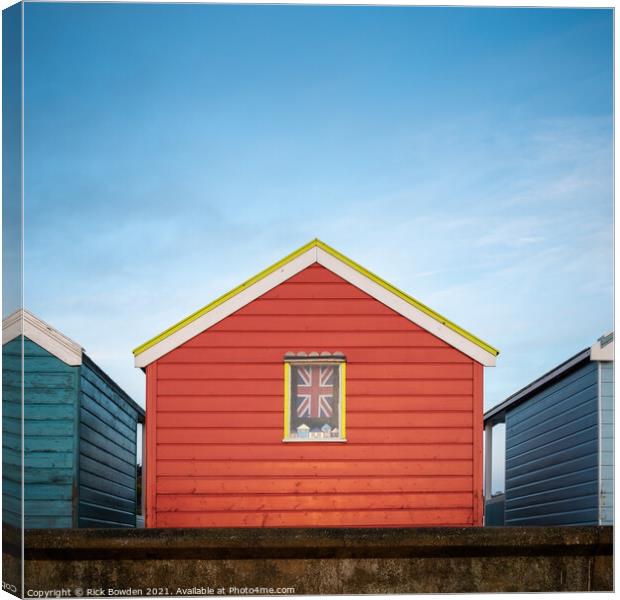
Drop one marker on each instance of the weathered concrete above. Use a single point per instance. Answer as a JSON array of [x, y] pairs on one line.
[[320, 561]]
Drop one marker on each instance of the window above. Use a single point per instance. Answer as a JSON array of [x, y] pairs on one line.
[[314, 397]]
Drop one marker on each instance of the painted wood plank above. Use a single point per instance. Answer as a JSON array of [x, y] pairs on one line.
[[318, 485], [101, 420], [115, 488], [232, 420], [118, 445], [313, 452], [567, 493], [46, 522], [313, 469], [367, 307], [371, 435], [104, 471], [107, 499], [377, 518], [315, 290], [276, 502], [317, 323], [37, 475], [103, 455], [275, 355], [99, 402], [273, 371], [331, 341], [274, 403], [372, 387], [108, 515]]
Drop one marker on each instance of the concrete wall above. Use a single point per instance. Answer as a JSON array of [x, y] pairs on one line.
[[316, 561]]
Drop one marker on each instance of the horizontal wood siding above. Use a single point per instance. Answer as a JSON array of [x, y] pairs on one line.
[[11, 432], [552, 454], [50, 393], [107, 474], [218, 430], [607, 443]]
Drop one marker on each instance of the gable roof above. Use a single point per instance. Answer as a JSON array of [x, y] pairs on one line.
[[59, 345], [602, 350], [315, 251]]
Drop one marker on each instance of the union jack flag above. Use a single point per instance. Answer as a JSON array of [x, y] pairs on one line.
[[315, 391]]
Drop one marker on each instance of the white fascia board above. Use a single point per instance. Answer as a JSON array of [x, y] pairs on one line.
[[602, 353], [24, 322], [227, 308], [406, 309], [334, 264]]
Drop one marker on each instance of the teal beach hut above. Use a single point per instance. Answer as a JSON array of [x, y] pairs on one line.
[[76, 427]]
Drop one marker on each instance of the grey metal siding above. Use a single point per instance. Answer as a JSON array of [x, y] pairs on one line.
[[607, 443], [107, 473], [552, 453]]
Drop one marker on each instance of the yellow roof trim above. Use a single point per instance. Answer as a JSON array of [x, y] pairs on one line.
[[425, 309], [316, 243]]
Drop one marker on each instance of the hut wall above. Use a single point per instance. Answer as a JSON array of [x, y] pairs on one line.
[[50, 391], [552, 453], [607, 443], [215, 420], [107, 467]]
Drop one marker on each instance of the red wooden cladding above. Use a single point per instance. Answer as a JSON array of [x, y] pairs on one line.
[[215, 355], [244, 486], [259, 387], [325, 291], [294, 451], [334, 340], [367, 307], [315, 323], [274, 403], [196, 502], [411, 456], [356, 371], [231, 420], [370, 435], [324, 518], [313, 468]]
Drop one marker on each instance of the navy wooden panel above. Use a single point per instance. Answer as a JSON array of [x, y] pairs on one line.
[[50, 394], [552, 453], [107, 471], [494, 511]]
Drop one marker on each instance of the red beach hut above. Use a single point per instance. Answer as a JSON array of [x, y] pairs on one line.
[[314, 395]]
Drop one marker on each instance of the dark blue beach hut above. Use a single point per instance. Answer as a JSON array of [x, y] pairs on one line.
[[79, 433], [559, 445]]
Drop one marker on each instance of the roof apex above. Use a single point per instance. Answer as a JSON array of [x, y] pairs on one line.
[[315, 251], [23, 322]]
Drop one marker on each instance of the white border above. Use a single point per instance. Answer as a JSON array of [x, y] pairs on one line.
[[337, 266], [38, 331], [599, 352]]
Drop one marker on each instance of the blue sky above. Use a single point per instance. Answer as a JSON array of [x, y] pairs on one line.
[[463, 154]]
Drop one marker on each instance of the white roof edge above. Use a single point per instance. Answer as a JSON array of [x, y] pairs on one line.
[[603, 348], [340, 268], [24, 322]]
